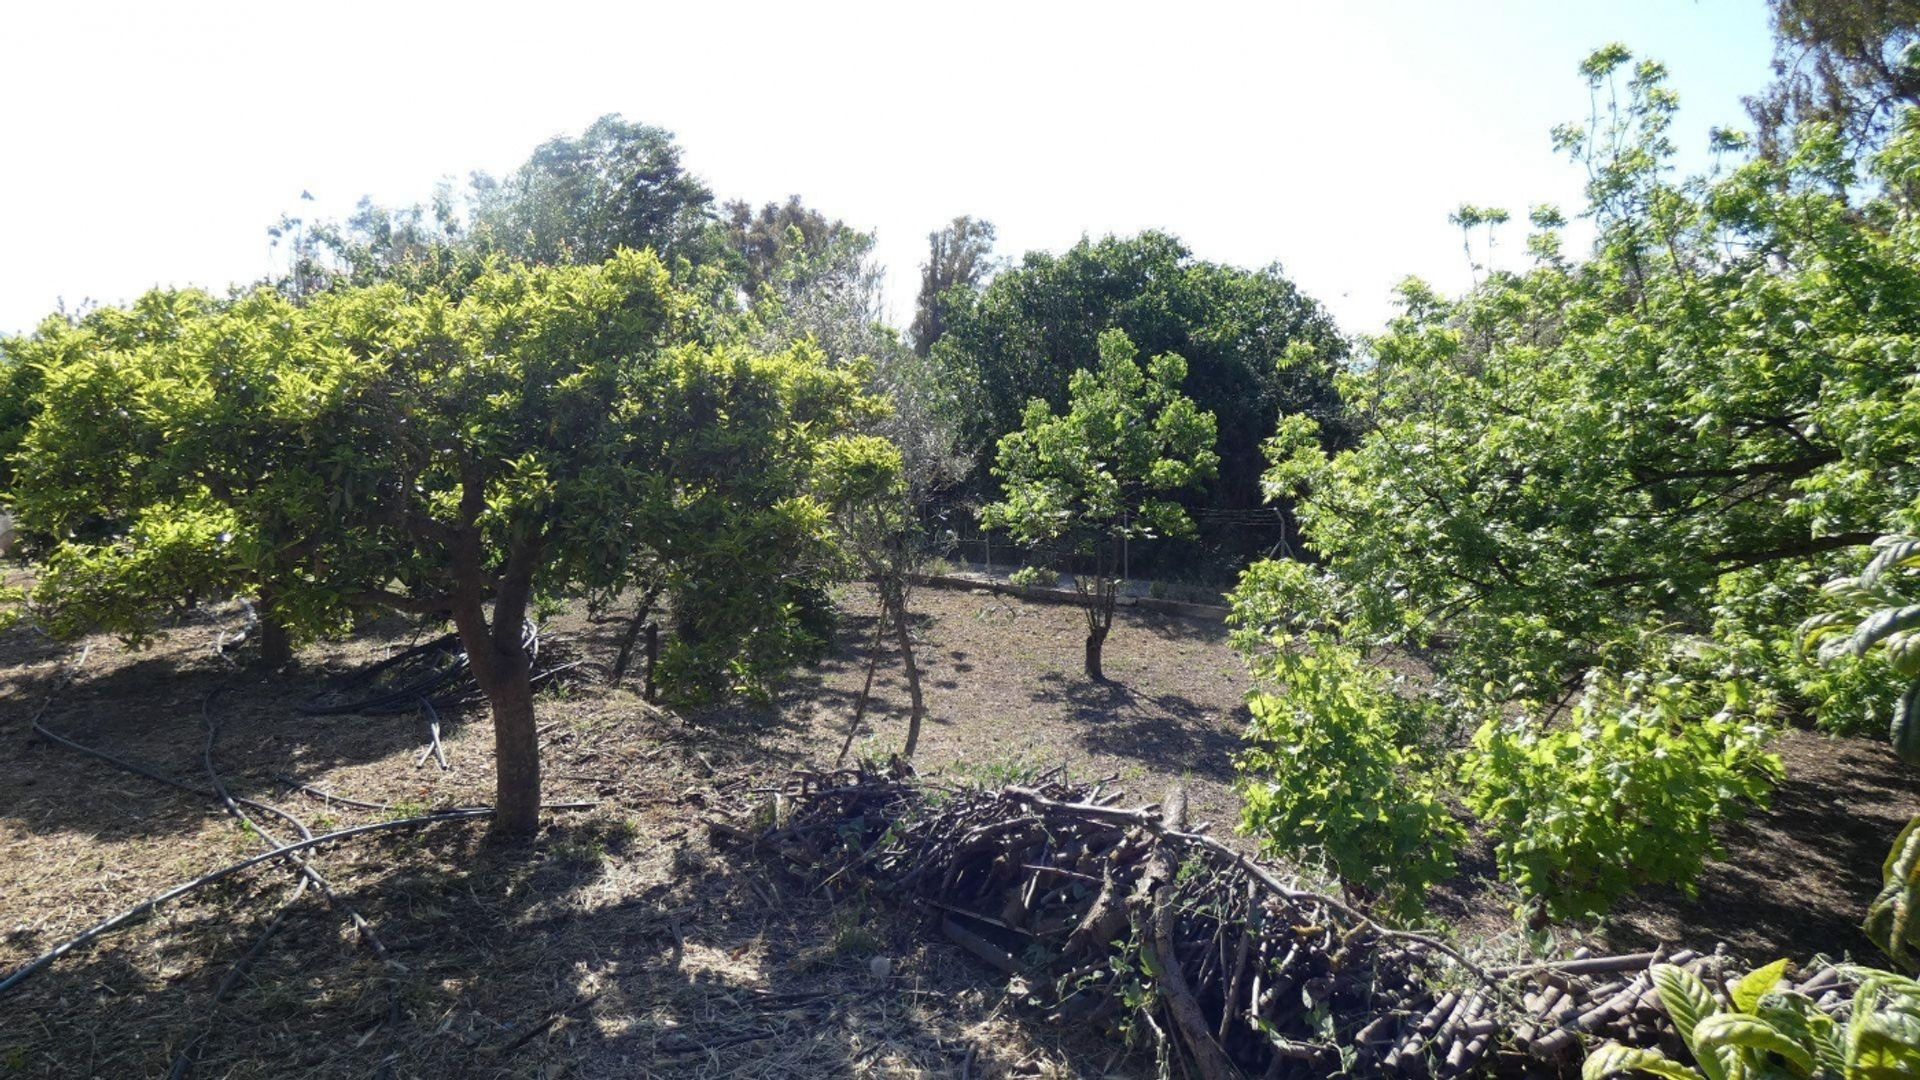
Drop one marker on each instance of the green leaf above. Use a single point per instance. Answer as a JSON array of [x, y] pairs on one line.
[[1613, 1058], [1757, 984], [1748, 1032], [1893, 552], [1881, 624], [1884, 1045]]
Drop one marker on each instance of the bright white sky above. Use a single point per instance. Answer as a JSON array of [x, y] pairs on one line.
[[153, 143]]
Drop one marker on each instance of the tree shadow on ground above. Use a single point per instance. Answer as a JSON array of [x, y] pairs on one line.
[[1801, 870], [1178, 627], [602, 950], [1168, 732]]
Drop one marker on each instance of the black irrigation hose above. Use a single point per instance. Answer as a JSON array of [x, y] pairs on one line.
[[138, 769], [282, 851], [360, 924], [113, 922], [328, 796], [189, 1056]]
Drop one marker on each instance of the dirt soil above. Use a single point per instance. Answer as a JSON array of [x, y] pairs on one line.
[[625, 943], [1005, 690]]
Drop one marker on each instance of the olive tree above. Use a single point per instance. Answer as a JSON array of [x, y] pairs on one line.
[[1103, 472]]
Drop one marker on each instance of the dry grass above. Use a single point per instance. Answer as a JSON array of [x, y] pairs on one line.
[[622, 943], [619, 945]]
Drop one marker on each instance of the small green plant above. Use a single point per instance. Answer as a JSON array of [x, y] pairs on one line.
[[579, 851], [1032, 577], [1770, 1032], [1625, 794], [1329, 765]]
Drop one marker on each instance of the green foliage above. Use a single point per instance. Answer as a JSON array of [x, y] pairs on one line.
[[531, 432], [1877, 611], [618, 185], [1890, 918], [1769, 1031], [1329, 766], [1105, 472], [782, 241], [959, 257], [1032, 577], [1712, 406], [1626, 793], [1101, 471], [1853, 64], [19, 399], [1255, 347], [1632, 471]]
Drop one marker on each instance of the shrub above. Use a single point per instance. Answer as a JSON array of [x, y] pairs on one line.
[[1774, 1032], [1032, 577], [1329, 765], [1626, 794]]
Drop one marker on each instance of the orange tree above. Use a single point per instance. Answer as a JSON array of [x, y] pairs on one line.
[[544, 432]]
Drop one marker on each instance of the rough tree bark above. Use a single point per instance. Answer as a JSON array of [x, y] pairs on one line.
[[1095, 639], [276, 650], [501, 667]]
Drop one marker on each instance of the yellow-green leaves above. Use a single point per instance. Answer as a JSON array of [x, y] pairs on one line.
[[1891, 921], [1768, 1032], [1101, 472], [1613, 1059], [1627, 791], [1749, 1038], [1757, 984], [1332, 764]]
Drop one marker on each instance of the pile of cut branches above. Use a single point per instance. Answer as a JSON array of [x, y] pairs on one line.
[[1128, 921]]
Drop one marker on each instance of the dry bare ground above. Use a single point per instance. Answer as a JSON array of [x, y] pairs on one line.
[[623, 944]]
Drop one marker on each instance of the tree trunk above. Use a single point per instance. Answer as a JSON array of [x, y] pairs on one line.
[[1095, 638], [516, 750], [631, 636], [276, 647], [505, 674], [904, 636]]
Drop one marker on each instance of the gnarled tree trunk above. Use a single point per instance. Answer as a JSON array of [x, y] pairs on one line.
[[504, 672]]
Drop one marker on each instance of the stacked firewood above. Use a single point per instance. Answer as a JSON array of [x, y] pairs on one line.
[[1129, 921]]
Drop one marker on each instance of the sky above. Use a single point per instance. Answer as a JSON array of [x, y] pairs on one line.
[[154, 143]]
